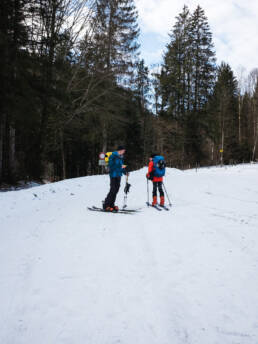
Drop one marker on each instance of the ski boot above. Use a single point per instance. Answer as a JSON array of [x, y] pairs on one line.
[[109, 209], [162, 201], [154, 202]]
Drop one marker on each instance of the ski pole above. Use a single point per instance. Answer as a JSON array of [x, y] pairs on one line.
[[126, 190], [125, 195], [170, 204], [148, 198], [125, 201]]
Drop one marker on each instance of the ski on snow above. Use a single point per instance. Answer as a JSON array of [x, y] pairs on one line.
[[164, 207], [158, 207], [153, 206], [109, 212], [120, 211], [129, 211]]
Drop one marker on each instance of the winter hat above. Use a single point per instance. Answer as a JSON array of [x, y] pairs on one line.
[[119, 148]]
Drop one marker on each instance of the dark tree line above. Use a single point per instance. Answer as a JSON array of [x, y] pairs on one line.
[[73, 85], [68, 69]]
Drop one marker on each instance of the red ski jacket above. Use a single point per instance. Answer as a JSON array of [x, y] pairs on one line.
[[151, 169]]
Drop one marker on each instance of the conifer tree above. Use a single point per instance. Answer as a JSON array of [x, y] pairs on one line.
[[187, 79], [224, 114], [116, 35], [202, 82], [203, 59], [142, 91], [176, 69], [13, 39], [255, 123], [115, 39], [142, 83]]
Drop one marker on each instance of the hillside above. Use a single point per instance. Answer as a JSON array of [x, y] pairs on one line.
[[190, 275]]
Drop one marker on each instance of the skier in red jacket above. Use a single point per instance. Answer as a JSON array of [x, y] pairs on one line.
[[157, 182]]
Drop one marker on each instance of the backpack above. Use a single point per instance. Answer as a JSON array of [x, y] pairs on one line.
[[159, 166], [107, 156]]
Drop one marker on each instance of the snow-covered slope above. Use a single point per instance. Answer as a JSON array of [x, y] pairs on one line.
[[71, 276]]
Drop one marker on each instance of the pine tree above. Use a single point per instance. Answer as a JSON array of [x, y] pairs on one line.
[[116, 45], [187, 79], [244, 124], [142, 91], [202, 83], [13, 39], [255, 123], [47, 35], [203, 59], [175, 76], [142, 83], [224, 107], [116, 35]]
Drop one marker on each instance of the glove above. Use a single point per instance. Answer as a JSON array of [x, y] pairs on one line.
[[127, 188], [149, 176]]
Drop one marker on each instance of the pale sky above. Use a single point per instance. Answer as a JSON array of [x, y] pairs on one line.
[[233, 23]]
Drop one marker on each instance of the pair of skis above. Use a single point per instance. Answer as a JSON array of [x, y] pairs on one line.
[[120, 211], [129, 211], [158, 207]]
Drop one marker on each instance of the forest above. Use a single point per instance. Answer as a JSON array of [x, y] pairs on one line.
[[73, 84]]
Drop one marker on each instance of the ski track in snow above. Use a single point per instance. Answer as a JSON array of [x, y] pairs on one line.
[[190, 275]]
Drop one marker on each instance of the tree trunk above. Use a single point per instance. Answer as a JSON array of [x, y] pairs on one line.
[[222, 147], [104, 133], [63, 154], [1, 151], [144, 136], [212, 152], [50, 47], [6, 171], [255, 142], [12, 152], [239, 119]]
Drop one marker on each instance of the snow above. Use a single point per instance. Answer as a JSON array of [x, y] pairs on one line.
[[71, 276]]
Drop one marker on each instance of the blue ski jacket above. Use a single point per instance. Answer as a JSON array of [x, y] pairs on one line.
[[115, 164]]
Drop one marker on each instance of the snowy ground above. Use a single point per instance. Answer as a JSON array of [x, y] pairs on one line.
[[71, 276]]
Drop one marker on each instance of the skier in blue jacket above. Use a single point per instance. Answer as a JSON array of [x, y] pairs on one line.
[[116, 170]]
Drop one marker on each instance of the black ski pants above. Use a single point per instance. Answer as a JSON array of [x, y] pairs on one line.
[[114, 188], [156, 186]]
